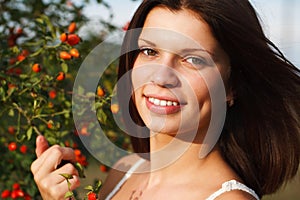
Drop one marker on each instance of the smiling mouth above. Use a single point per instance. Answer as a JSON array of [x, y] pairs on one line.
[[163, 106], [161, 102]]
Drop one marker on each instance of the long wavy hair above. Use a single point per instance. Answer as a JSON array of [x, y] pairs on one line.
[[260, 139]]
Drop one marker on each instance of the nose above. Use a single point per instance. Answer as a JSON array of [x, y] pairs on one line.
[[165, 76]]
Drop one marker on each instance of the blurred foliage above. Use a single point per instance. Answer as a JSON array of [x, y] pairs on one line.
[[36, 83]]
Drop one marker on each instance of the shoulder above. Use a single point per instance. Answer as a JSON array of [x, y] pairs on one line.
[[233, 189], [116, 173], [236, 194]]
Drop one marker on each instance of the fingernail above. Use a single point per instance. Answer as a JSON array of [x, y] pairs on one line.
[[40, 138]]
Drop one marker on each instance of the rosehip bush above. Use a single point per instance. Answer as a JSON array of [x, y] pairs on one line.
[[41, 51]]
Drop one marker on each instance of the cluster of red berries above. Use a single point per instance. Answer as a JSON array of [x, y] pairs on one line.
[[16, 193], [80, 158], [13, 147], [36, 67], [69, 38], [72, 39]]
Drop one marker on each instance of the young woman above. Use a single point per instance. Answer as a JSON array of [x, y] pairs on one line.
[[171, 52]]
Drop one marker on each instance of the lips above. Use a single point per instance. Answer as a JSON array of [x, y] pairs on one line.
[[162, 106]]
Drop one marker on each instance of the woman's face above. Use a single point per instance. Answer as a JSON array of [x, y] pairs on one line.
[[178, 55]]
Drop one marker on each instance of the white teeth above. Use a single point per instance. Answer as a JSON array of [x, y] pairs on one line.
[[158, 102], [163, 103]]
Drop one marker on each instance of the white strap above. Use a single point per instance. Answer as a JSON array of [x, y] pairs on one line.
[[125, 177], [232, 185]]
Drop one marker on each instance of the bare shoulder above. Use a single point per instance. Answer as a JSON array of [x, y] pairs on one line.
[[236, 194], [116, 173]]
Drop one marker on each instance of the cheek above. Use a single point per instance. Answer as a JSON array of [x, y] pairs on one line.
[[140, 75], [195, 86]]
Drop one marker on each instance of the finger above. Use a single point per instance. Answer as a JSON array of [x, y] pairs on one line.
[[51, 158], [63, 185], [67, 169], [41, 145], [54, 186]]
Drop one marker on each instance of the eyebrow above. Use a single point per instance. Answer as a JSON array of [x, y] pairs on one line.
[[186, 50]]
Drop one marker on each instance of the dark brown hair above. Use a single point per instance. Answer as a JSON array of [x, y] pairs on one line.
[[260, 139]]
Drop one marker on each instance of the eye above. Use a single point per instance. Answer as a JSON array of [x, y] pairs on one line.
[[148, 51], [196, 61]]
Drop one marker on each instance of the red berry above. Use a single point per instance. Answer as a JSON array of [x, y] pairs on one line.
[[72, 27], [64, 37], [20, 193], [52, 94], [73, 39], [14, 194], [61, 76], [21, 57], [103, 168], [92, 196], [18, 71], [77, 152], [12, 146], [23, 149], [114, 108], [65, 55], [12, 61], [36, 68], [100, 92], [27, 197], [75, 53], [25, 52], [16, 186], [11, 130], [50, 124], [125, 27], [84, 130], [5, 194], [19, 31], [11, 86]]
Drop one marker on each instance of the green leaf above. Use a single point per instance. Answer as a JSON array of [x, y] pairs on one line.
[[40, 21], [80, 169], [36, 53], [69, 194], [50, 25], [29, 133], [102, 117], [11, 112], [23, 76], [98, 186], [89, 187], [64, 67], [64, 133], [67, 176]]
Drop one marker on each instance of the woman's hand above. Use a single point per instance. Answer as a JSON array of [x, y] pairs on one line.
[[46, 172]]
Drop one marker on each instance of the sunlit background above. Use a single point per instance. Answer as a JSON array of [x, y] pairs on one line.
[[280, 20]]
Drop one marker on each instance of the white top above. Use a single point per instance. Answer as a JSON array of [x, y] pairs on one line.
[[226, 186]]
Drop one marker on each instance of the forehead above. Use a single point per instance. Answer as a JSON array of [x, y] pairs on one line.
[[184, 28]]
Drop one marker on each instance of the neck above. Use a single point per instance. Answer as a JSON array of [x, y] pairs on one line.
[[172, 155]]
